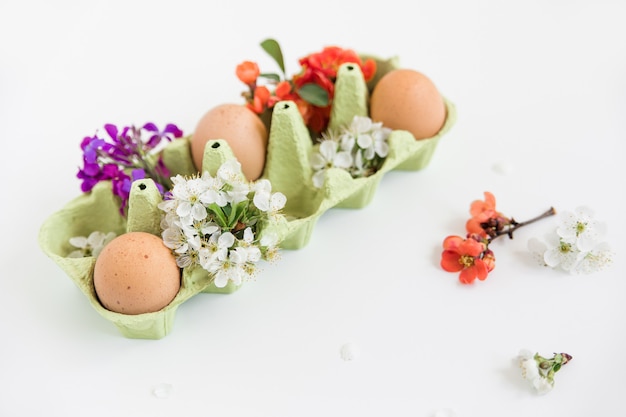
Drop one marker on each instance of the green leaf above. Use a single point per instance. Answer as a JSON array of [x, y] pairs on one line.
[[273, 49], [221, 219], [270, 76], [556, 367], [314, 94], [235, 215]]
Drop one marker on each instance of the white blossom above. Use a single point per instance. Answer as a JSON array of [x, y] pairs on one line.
[[360, 149], [328, 156], [531, 372], [580, 228], [187, 193], [213, 222], [575, 245], [90, 245]]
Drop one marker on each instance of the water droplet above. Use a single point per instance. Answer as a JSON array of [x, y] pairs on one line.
[[162, 391], [348, 352]]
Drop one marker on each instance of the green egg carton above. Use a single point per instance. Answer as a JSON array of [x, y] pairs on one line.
[[288, 169]]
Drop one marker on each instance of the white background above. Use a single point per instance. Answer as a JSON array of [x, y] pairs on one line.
[[540, 89]]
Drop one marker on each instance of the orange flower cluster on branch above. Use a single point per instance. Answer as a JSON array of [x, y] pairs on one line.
[[471, 255], [312, 89]]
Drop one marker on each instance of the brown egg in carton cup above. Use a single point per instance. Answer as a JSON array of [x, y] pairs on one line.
[[142, 273]]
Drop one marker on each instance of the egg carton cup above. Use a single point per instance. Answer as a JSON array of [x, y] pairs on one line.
[[99, 210], [287, 167]]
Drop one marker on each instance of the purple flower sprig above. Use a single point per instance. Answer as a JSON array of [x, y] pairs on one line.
[[126, 155]]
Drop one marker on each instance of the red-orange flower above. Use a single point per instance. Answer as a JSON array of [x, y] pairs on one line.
[[248, 72], [260, 99], [483, 210], [489, 259], [316, 118], [485, 219], [465, 255], [317, 69], [282, 92], [331, 58]]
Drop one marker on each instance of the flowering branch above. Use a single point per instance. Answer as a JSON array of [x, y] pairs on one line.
[[471, 255], [312, 89]]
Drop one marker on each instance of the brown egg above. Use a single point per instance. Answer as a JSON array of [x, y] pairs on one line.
[[241, 128], [136, 273], [405, 99]]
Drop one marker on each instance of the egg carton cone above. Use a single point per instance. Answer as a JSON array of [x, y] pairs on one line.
[[287, 167]]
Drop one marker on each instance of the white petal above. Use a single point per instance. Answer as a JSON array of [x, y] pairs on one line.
[[238, 255], [262, 185], [254, 254], [342, 160], [269, 239], [552, 257], [328, 149], [361, 124], [95, 239], [542, 385], [262, 200], [347, 142], [221, 279], [586, 242], [248, 235], [198, 212], [79, 241], [76, 254], [382, 149], [318, 178], [209, 229], [317, 161], [364, 141], [226, 240], [278, 201], [183, 209]]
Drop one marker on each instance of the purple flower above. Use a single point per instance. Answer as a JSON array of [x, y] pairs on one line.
[[124, 145], [122, 184], [121, 188], [91, 174], [125, 151], [170, 132]]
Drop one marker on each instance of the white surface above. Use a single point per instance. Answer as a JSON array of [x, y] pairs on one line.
[[540, 90]]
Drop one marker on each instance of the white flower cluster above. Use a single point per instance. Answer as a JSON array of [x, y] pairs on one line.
[[90, 245], [576, 245], [360, 149], [221, 223], [533, 373]]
